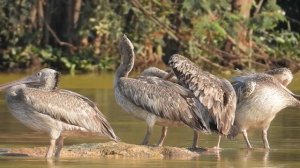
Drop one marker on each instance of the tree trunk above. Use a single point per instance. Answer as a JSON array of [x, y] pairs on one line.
[[41, 12], [242, 8], [69, 21], [172, 46], [60, 28], [77, 7], [47, 19]]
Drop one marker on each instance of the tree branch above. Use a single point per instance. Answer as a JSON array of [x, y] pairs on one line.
[[61, 43], [212, 63], [258, 7], [139, 6]]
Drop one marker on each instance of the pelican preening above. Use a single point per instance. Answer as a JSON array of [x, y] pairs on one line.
[[283, 75], [37, 103], [156, 72], [161, 102], [216, 95], [256, 93], [192, 98], [260, 97], [152, 99]]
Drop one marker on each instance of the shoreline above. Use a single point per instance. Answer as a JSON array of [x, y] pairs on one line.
[[109, 150]]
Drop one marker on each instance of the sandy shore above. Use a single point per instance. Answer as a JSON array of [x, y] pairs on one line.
[[109, 150]]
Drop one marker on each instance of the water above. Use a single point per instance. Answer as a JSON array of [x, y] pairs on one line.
[[284, 135]]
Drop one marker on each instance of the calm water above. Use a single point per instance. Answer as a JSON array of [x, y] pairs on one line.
[[284, 135]]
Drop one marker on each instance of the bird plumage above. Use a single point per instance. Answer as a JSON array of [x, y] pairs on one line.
[[39, 104], [77, 111], [164, 99], [217, 95], [153, 71], [260, 97], [153, 99]]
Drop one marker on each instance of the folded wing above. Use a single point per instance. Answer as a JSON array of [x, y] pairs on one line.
[[216, 95], [70, 108], [164, 99]]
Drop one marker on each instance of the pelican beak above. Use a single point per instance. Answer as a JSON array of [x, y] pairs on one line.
[[27, 80]]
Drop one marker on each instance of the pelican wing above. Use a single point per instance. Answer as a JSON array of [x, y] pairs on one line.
[[69, 107], [164, 99], [217, 95]]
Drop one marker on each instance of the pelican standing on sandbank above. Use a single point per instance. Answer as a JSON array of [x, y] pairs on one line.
[[165, 103], [260, 97], [37, 103]]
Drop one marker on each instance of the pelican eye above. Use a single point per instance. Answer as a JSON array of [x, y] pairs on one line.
[[39, 74]]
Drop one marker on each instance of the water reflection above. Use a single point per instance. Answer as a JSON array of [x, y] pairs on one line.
[[228, 158], [284, 136]]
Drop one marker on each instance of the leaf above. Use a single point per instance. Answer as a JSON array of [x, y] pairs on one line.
[[279, 40]]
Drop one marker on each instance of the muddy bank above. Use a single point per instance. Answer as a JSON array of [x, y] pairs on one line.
[[109, 150]]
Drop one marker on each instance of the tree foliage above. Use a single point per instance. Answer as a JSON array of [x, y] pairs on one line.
[[82, 35]]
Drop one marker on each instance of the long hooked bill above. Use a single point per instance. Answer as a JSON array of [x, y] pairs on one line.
[[25, 80], [291, 93]]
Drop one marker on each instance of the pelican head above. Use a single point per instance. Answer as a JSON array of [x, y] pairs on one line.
[[127, 57], [44, 79], [283, 75]]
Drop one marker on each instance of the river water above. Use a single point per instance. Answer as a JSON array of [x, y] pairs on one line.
[[284, 134]]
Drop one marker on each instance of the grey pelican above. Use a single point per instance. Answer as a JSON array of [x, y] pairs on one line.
[[283, 75], [217, 95], [165, 103], [153, 71], [37, 103], [260, 97]]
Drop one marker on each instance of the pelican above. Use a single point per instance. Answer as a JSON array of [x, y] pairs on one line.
[[217, 95], [37, 103], [153, 99], [283, 75], [161, 102], [156, 72], [260, 97]]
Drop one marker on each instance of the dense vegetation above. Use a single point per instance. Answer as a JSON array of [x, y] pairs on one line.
[[82, 35]]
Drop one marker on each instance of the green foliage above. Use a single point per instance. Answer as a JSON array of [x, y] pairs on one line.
[[202, 28], [281, 44], [213, 23]]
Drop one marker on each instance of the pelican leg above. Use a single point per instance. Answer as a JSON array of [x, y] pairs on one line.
[[217, 148], [265, 138], [148, 134], [59, 144], [163, 136], [219, 141], [246, 139], [195, 140], [50, 149]]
